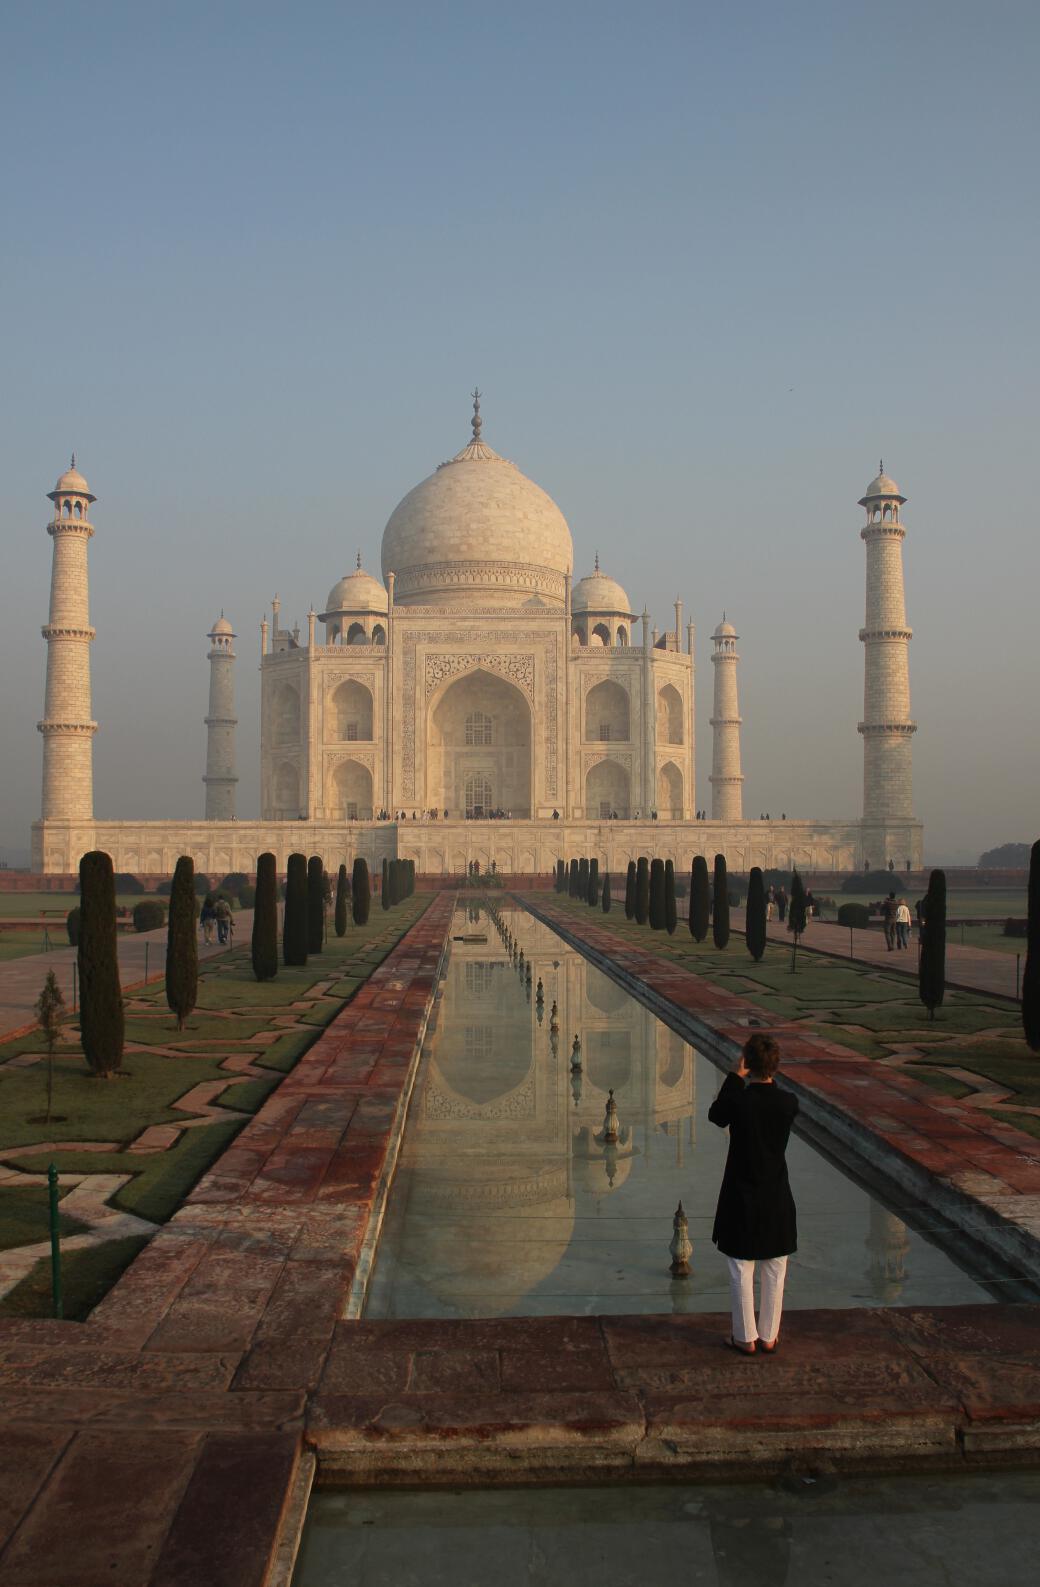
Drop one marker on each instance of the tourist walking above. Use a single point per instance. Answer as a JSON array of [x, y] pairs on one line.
[[781, 905], [903, 923], [223, 912], [755, 1221], [888, 920], [207, 919]]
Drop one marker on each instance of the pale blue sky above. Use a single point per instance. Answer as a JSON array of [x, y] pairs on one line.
[[708, 263]]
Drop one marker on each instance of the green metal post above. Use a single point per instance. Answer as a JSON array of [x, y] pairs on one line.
[[52, 1191]]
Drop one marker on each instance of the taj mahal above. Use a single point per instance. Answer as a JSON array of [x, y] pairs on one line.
[[477, 703]]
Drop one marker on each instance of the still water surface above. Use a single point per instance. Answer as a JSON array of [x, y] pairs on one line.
[[507, 1201]]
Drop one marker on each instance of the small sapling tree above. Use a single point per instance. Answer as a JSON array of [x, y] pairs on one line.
[[50, 1007]]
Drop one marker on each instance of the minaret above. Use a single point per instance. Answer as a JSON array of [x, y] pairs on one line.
[[67, 727], [726, 777], [886, 726], [220, 778]]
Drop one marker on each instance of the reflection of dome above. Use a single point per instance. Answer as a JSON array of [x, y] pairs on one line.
[[477, 529], [471, 1264], [357, 592], [598, 593], [485, 1082]]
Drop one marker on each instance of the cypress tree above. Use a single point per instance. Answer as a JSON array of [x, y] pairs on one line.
[[315, 904], [796, 915], [606, 892], [755, 914], [182, 942], [657, 895], [720, 904], [360, 892], [931, 973], [572, 879], [671, 914], [700, 899], [384, 885], [294, 924], [342, 896], [265, 919], [561, 875], [642, 909], [592, 896], [583, 880], [101, 1019], [630, 890], [1031, 978]]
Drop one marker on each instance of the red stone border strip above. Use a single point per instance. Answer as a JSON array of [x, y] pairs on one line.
[[586, 1399], [980, 1173]]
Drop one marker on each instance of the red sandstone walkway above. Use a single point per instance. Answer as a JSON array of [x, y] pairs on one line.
[[21, 980], [169, 1441]]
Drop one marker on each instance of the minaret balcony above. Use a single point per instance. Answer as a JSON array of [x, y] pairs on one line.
[[878, 729], [867, 634]]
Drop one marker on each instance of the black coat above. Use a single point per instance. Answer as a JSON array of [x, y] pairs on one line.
[[755, 1217]]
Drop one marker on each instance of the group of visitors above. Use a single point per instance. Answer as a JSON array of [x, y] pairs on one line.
[[896, 920], [216, 914]]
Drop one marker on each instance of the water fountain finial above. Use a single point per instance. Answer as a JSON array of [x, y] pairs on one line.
[[680, 1246]]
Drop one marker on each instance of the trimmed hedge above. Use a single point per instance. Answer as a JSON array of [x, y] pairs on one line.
[[265, 919], [149, 915], [855, 916], [101, 1017], [182, 942], [294, 923]]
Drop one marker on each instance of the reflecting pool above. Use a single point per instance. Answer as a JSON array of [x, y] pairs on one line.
[[958, 1531], [509, 1202]]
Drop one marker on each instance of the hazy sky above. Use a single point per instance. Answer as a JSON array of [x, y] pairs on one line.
[[707, 262]]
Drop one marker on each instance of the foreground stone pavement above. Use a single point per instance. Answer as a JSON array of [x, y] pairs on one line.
[[171, 1438]]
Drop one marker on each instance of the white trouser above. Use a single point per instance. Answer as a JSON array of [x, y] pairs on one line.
[[742, 1298]]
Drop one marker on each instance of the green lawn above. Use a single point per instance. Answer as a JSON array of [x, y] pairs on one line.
[[25, 1215], [867, 1009], [233, 1011]]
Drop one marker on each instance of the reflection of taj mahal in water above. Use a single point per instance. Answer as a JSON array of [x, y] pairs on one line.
[[477, 679], [509, 1199]]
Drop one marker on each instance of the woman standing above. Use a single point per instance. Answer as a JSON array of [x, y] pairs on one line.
[[755, 1218]]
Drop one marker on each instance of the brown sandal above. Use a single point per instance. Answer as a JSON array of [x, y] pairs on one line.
[[768, 1350], [741, 1349]]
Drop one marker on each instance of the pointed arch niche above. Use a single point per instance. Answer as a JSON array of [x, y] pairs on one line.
[[498, 754], [607, 791]]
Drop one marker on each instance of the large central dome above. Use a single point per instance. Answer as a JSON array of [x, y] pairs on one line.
[[477, 532]]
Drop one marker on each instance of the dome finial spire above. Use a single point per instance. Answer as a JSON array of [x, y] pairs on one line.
[[597, 561], [881, 465], [477, 421], [73, 460], [357, 564]]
